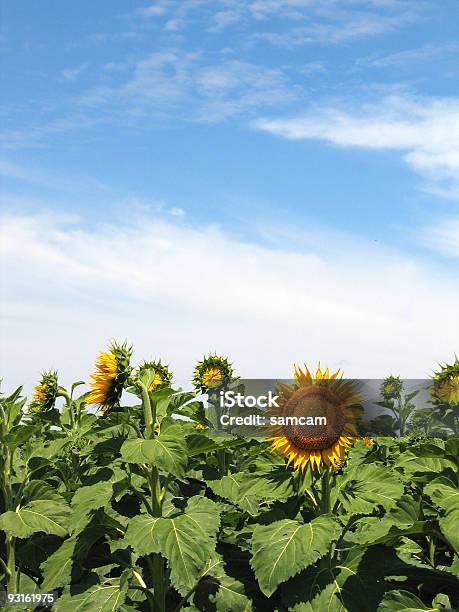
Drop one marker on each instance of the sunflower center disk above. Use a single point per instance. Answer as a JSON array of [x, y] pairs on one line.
[[314, 402]]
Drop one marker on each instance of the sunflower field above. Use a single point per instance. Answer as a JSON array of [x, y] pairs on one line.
[[125, 498]]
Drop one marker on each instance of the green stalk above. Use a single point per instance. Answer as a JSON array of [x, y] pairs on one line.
[[149, 421], [325, 497], [431, 550], [11, 564], [10, 541], [155, 562]]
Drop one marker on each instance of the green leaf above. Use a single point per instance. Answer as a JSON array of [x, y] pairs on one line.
[[40, 515], [413, 465], [445, 495], [86, 501], [107, 597], [20, 434], [167, 451], [187, 540], [394, 601], [362, 489], [57, 569], [230, 487], [284, 548], [230, 596], [39, 489]]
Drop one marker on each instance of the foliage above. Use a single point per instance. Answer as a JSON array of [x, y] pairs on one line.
[[137, 508]]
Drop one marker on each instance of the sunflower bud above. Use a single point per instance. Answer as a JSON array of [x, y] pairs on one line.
[[112, 372], [391, 388], [45, 393], [213, 371], [157, 375], [446, 384]]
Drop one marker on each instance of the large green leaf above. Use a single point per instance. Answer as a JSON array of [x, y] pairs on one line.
[[401, 520], [445, 494], [20, 434], [186, 540], [57, 569], [357, 582], [230, 596], [394, 601], [362, 489], [284, 548], [230, 487], [415, 466], [107, 597], [50, 517], [39, 489], [86, 501], [167, 451]]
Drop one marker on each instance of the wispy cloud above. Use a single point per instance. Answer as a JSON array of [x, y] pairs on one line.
[[167, 284], [71, 74], [305, 21], [426, 131], [443, 236], [169, 83], [406, 57]]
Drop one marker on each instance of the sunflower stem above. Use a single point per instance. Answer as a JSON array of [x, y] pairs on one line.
[[325, 498], [146, 403]]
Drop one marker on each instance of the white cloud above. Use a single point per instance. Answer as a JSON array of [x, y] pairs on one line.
[[426, 131], [178, 291], [443, 236]]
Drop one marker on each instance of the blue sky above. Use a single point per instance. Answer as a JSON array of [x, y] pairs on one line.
[[319, 138]]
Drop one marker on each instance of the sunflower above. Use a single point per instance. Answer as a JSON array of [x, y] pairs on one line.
[[391, 387], [330, 404], [45, 393], [446, 384], [112, 372], [160, 375], [213, 371]]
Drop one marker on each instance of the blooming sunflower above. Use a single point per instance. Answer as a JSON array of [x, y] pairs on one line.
[[45, 393], [324, 395], [161, 376], [213, 371], [112, 372]]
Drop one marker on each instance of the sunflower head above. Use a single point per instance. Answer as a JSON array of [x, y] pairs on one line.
[[446, 384], [317, 418], [45, 393], [391, 388], [159, 375], [213, 371], [368, 441], [112, 371]]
